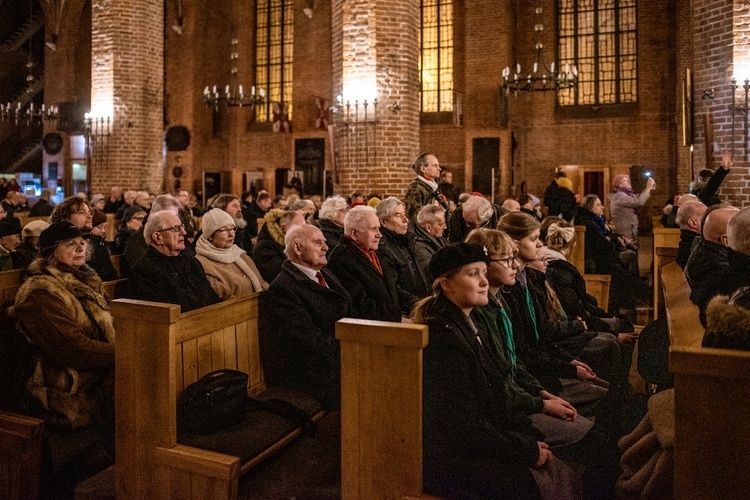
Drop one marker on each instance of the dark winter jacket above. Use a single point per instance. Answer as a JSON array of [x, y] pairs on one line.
[[706, 193], [468, 423], [708, 261], [268, 252], [687, 238], [374, 295], [332, 232], [23, 255], [99, 260], [41, 208], [459, 230], [599, 252], [410, 282], [175, 280], [423, 245]]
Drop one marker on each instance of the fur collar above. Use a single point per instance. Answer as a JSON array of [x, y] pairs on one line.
[[728, 325], [272, 223]]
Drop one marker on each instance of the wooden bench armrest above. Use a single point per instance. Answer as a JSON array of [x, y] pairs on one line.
[[198, 461], [21, 426], [20, 456]]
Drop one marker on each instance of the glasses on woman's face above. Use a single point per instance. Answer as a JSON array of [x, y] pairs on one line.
[[506, 261], [226, 230], [138, 218], [174, 229]]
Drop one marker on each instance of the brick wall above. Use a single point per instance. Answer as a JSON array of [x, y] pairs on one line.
[[127, 81]]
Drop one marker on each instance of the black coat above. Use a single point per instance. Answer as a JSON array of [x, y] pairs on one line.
[[474, 446], [100, 261], [23, 255], [708, 262], [599, 252], [175, 280], [298, 321], [41, 208], [542, 358], [410, 282], [374, 295], [251, 214], [552, 198], [268, 255], [332, 232], [735, 276], [686, 245], [567, 203], [570, 287]]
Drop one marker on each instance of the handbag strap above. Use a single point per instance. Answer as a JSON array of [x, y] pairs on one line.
[[284, 409]]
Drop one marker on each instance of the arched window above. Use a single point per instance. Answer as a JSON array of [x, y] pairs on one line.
[[436, 56], [274, 44], [599, 36]]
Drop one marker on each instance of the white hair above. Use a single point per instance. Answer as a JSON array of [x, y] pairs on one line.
[[332, 205], [481, 205], [738, 232], [166, 202], [355, 218], [385, 208], [427, 214], [156, 223]]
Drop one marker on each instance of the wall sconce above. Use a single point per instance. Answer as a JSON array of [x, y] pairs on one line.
[[741, 109], [177, 28], [395, 107], [310, 9]]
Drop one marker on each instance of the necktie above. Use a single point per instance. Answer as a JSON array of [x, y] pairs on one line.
[[321, 279]]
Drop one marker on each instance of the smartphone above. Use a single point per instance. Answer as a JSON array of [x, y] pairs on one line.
[[647, 174]]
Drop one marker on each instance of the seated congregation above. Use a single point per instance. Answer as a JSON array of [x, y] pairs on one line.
[[525, 376]]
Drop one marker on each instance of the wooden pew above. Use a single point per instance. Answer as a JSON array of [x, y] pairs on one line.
[[112, 224], [159, 352], [381, 408], [25, 218], [21, 435], [711, 387], [662, 257], [664, 238], [598, 285], [577, 255]]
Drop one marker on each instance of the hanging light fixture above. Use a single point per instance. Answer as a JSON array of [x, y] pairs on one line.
[[233, 94], [18, 112], [540, 78]]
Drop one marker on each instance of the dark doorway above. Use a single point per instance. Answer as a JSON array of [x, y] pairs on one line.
[[486, 154], [593, 183], [309, 158]]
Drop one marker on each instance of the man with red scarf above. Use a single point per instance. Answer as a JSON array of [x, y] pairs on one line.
[[356, 264]]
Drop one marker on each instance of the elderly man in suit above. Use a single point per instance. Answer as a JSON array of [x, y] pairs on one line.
[[357, 264], [299, 317]]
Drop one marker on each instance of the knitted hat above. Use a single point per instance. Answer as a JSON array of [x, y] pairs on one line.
[[9, 226], [95, 199], [452, 257], [130, 212], [373, 202], [56, 234], [215, 219], [34, 228], [98, 217]]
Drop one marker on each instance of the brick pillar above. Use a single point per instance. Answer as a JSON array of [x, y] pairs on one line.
[[375, 56], [127, 84]]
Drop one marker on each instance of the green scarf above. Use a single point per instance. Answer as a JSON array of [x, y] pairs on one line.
[[532, 311], [510, 345]]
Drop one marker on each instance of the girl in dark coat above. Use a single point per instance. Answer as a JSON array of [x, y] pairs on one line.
[[476, 444]]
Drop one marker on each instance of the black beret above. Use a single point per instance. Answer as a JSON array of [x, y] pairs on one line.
[[9, 226], [56, 234], [453, 256]]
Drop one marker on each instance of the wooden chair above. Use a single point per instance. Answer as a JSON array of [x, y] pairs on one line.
[[598, 285]]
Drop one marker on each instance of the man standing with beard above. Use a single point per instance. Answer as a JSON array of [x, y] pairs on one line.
[[232, 205]]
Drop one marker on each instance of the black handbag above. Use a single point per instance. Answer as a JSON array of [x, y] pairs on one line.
[[217, 401]]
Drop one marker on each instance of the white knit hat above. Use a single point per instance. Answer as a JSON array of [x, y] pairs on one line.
[[214, 219], [34, 228]]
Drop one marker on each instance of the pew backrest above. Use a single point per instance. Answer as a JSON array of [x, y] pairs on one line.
[[578, 254], [160, 352], [598, 286], [662, 257], [682, 315]]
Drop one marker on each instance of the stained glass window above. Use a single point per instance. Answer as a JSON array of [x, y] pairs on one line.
[[436, 56], [274, 44]]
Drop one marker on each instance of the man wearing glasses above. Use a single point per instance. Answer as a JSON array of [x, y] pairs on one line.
[[166, 273]]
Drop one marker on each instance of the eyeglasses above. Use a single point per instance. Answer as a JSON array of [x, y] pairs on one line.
[[174, 229], [226, 230], [507, 261]]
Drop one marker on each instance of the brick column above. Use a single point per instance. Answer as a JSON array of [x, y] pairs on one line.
[[375, 56], [127, 84]]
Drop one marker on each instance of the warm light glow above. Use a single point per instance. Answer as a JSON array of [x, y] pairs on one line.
[[102, 108], [360, 88], [741, 71]]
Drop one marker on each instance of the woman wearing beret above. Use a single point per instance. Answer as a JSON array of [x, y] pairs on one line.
[[61, 308], [477, 444], [231, 272]]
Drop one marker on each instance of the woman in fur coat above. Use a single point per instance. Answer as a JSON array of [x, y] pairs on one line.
[[61, 308]]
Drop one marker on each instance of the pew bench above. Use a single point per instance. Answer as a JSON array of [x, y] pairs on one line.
[[161, 351], [711, 389]]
